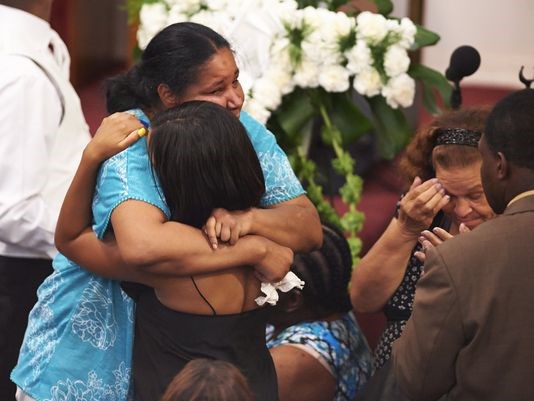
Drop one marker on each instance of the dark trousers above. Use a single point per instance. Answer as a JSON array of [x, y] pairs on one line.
[[19, 280]]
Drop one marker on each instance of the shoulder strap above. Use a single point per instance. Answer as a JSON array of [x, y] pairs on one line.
[[202, 296], [51, 79]]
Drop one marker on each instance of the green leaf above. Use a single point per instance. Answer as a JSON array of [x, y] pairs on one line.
[[424, 37], [343, 164], [355, 245], [348, 118], [384, 7], [306, 3], [291, 121], [326, 211], [391, 127], [351, 191], [335, 4], [352, 221], [432, 80]]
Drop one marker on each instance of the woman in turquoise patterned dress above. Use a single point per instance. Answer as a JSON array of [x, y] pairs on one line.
[[78, 344], [318, 348]]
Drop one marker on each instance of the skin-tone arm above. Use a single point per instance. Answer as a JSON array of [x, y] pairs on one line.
[[294, 223], [301, 376], [381, 270], [73, 229], [160, 247], [148, 241]]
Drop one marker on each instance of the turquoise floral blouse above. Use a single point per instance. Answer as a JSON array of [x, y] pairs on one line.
[[78, 344]]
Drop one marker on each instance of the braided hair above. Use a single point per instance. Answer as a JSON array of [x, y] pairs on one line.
[[327, 273]]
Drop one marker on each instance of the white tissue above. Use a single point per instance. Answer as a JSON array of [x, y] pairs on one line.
[[289, 282]]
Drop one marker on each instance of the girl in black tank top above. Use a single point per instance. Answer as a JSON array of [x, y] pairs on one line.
[[193, 150], [165, 340]]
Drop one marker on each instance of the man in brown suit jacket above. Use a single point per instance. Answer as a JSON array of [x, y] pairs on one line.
[[471, 333]]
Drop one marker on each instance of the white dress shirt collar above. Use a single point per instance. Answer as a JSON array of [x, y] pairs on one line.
[[23, 31]]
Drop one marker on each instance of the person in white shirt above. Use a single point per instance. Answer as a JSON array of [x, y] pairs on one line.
[[43, 136]]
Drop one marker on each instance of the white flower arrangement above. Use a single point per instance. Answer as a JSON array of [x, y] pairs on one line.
[[306, 48]]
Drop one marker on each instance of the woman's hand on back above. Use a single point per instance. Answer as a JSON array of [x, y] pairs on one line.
[[275, 263], [227, 226], [116, 133], [420, 204]]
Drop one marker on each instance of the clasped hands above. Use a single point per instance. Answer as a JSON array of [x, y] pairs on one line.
[[226, 227]]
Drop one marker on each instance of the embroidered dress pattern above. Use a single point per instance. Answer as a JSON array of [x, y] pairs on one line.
[[116, 165], [94, 319], [41, 347], [278, 170], [93, 389], [340, 344]]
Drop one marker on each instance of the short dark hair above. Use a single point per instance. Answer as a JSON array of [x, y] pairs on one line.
[[327, 273], [173, 57], [510, 128], [204, 159], [208, 380]]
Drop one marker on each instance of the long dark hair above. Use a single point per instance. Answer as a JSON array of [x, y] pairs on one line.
[[204, 159], [173, 57]]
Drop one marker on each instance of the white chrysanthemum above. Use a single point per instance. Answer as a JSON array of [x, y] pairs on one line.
[[334, 78], [359, 57], [368, 82], [267, 93], [307, 74], [176, 14], [257, 110], [396, 61], [212, 20], [313, 17], [293, 20], [341, 24], [371, 27], [280, 75], [152, 19], [399, 91], [217, 5], [408, 31], [315, 49], [280, 7], [188, 7], [402, 31], [335, 29]]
